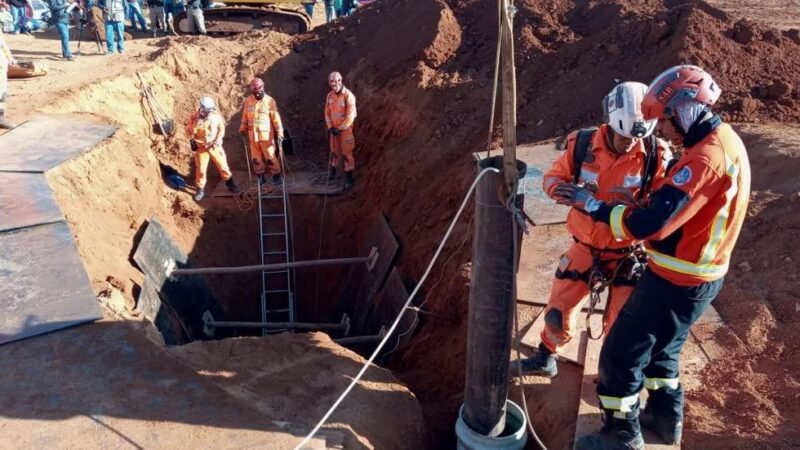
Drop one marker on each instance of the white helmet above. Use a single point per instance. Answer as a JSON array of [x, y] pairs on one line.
[[207, 103], [622, 110]]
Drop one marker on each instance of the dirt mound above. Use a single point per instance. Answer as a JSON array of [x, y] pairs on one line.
[[294, 378]]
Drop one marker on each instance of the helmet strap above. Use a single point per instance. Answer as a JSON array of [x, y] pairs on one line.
[[610, 140], [677, 125]]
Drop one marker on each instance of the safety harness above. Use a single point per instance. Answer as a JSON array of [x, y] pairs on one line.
[[632, 261]]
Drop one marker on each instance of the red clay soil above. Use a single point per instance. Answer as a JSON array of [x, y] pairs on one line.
[[422, 73]]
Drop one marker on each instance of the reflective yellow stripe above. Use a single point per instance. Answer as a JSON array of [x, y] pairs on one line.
[[623, 404], [655, 384], [718, 230], [615, 221], [686, 267]]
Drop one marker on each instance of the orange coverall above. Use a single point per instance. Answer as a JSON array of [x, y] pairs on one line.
[[208, 134], [609, 171], [262, 122], [340, 113]]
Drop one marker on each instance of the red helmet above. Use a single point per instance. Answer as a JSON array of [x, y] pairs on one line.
[[676, 85], [257, 84]]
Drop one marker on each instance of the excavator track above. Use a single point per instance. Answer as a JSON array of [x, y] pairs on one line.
[[231, 20]]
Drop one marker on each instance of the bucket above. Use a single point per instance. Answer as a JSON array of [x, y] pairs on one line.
[[513, 437]]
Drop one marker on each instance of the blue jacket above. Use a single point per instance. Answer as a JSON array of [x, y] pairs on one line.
[[58, 11]]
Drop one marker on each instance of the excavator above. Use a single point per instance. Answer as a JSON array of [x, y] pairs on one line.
[[239, 16]]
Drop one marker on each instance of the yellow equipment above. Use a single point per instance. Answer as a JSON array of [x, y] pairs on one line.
[[238, 16]]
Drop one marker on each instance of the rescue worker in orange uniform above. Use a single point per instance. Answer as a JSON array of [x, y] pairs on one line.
[[340, 114], [689, 226], [205, 130], [261, 122], [6, 59], [620, 160]]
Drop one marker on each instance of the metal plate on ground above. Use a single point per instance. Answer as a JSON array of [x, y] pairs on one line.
[[364, 284], [297, 183], [43, 285], [26, 200], [542, 209], [23, 149], [385, 307], [185, 297]]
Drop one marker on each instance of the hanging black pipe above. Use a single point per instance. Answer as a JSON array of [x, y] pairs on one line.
[[491, 304]]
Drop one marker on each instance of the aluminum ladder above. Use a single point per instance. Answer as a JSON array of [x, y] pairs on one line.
[[277, 296]]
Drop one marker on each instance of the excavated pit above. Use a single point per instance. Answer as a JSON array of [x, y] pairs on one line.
[[423, 110]]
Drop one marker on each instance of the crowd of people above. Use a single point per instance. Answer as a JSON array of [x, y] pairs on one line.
[[22, 17], [26, 16]]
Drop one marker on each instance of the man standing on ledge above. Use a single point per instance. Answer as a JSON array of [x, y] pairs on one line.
[[340, 114], [689, 227], [262, 125], [205, 130]]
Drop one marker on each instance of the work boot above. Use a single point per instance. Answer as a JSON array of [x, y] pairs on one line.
[[232, 186], [276, 179], [663, 414], [617, 433], [348, 180], [5, 123], [199, 195], [542, 363], [262, 179]]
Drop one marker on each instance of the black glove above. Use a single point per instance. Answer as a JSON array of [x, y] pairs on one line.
[[334, 131], [193, 144]]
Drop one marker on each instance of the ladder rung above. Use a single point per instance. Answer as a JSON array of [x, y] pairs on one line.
[[275, 253], [272, 196], [273, 215], [274, 234], [278, 291], [277, 310], [276, 271]]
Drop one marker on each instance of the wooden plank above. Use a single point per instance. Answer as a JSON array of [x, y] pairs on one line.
[[589, 419], [26, 200], [297, 183], [705, 330], [43, 285], [23, 149]]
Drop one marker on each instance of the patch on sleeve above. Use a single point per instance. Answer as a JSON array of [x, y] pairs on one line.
[[682, 176], [563, 263]]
